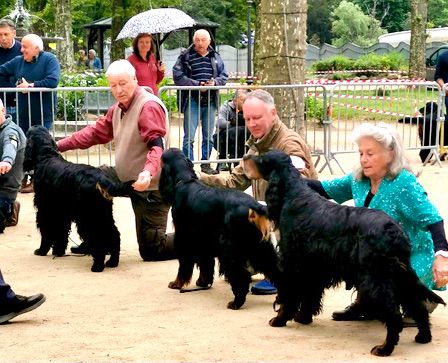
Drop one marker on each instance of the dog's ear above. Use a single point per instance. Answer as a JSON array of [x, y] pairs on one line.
[[166, 184], [274, 197]]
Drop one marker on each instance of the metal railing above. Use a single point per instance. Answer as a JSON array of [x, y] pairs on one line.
[[324, 114]]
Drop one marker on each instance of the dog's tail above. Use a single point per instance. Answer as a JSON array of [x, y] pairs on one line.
[[261, 222], [430, 295]]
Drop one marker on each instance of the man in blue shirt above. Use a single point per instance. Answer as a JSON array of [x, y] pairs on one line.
[[9, 48], [34, 68]]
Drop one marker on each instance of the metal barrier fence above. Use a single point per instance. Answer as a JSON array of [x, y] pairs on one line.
[[323, 114]]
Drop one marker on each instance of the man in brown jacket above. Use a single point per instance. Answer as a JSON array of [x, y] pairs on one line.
[[267, 133]]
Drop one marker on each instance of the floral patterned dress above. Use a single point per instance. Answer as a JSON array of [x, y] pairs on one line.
[[404, 199]]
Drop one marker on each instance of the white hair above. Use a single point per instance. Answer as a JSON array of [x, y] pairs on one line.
[[92, 51], [121, 66], [388, 137], [202, 32], [35, 40]]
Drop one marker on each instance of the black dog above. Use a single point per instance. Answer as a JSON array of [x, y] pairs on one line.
[[66, 192], [427, 128], [324, 243], [212, 222]]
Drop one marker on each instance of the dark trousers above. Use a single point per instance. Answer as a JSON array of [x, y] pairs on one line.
[[6, 293], [150, 221]]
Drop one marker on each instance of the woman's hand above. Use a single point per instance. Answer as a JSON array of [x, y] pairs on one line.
[[440, 270], [161, 67]]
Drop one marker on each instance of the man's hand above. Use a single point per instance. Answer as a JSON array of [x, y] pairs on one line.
[[5, 167], [143, 181]]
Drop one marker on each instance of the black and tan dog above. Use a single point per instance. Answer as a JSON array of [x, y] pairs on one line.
[[323, 243], [66, 192], [211, 222]]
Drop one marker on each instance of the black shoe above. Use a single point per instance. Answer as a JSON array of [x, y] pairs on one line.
[[353, 312], [207, 169], [20, 305], [82, 249]]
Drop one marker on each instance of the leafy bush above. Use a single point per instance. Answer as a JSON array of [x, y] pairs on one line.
[[168, 98], [71, 102], [314, 109], [337, 63]]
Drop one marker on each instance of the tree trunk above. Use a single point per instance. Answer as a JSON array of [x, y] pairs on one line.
[[279, 59], [419, 15], [63, 28], [118, 20]]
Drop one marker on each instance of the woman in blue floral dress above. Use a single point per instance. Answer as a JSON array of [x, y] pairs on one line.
[[383, 180]]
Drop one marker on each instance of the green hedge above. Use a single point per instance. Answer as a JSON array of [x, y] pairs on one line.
[[391, 61]]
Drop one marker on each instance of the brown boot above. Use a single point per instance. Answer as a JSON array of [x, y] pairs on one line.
[[13, 219], [29, 188]]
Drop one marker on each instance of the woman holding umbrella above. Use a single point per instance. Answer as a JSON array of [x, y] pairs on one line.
[[149, 71]]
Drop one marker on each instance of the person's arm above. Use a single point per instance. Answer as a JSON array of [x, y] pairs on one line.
[[440, 264], [237, 179], [437, 231], [223, 116], [10, 143], [52, 73], [152, 128], [221, 78], [100, 132], [441, 69], [339, 189]]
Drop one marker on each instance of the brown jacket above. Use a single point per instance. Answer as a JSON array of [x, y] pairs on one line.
[[279, 138]]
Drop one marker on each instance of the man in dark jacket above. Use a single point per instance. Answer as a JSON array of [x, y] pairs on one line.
[[34, 68], [9, 48], [199, 65]]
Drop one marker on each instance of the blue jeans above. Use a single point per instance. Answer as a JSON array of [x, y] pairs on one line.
[[5, 290], [194, 112]]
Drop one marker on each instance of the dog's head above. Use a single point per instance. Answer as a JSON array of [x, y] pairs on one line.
[[39, 145], [176, 167], [276, 168], [430, 108], [267, 165]]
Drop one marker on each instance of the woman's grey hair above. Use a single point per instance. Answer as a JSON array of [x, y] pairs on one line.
[[262, 95], [35, 40], [121, 66], [388, 137]]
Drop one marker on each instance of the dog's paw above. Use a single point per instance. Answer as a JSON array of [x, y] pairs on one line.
[[97, 267], [174, 285], [40, 252], [201, 282], [58, 253], [277, 322], [233, 306], [382, 350], [423, 338], [112, 262], [302, 318]]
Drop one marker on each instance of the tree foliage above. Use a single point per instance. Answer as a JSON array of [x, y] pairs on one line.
[[350, 24]]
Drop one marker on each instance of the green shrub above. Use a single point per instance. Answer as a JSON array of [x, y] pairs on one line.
[[314, 109], [337, 63], [168, 98], [70, 103]]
